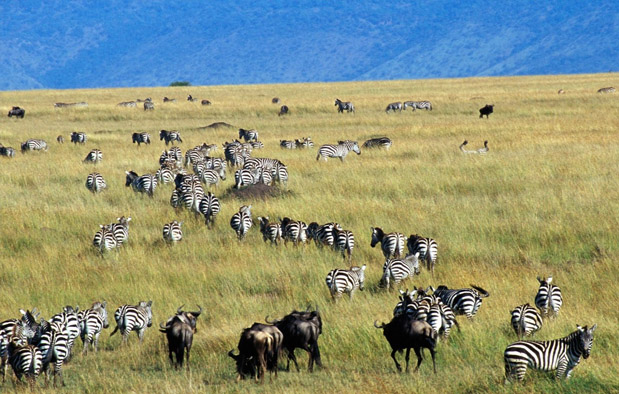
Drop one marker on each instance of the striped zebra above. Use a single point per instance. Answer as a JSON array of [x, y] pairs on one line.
[[213, 176], [235, 154], [340, 151], [133, 318], [609, 89], [104, 239], [140, 138], [94, 156], [190, 193], [341, 281], [294, 231], [78, 138], [462, 301], [344, 106], [427, 248], [481, 151], [526, 320], [121, 229], [172, 232], [418, 105], [165, 175], [241, 221], [397, 270], [394, 107], [149, 106], [304, 143], [209, 207], [324, 235], [380, 142], [344, 242], [12, 330], [271, 231], [141, 184], [262, 163], [95, 182], [69, 321], [392, 244], [170, 136], [287, 144], [54, 347], [280, 174], [60, 139], [127, 104], [92, 322], [248, 135], [246, 177], [548, 299], [256, 144], [7, 151], [33, 144], [562, 355], [26, 360]]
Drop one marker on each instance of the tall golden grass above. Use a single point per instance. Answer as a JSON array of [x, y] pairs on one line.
[[543, 201]]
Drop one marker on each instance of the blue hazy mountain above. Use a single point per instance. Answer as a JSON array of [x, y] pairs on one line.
[[86, 44]]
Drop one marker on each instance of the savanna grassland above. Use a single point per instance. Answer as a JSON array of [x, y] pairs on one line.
[[543, 201]]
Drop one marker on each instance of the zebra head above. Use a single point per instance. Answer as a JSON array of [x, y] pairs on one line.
[[413, 261], [585, 340], [147, 307], [355, 148], [131, 176], [360, 271], [99, 307], [377, 235]]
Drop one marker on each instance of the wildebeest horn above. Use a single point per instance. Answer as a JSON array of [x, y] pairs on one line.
[[381, 326], [266, 319], [231, 354], [196, 314], [162, 328], [180, 309]]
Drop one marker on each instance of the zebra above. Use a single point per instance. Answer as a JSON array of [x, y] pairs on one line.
[[190, 193], [280, 174], [344, 106], [17, 112], [340, 150], [526, 320], [548, 299], [304, 143], [169, 100], [418, 105], [142, 184], [78, 138], [265, 178], [127, 104], [262, 163], [324, 235], [344, 241], [394, 107], [12, 330], [70, 105], [380, 142], [140, 138], [609, 89], [54, 347], [190, 98], [172, 232], [95, 182], [209, 207], [94, 156], [104, 239], [481, 151], [392, 244], [248, 135], [213, 176], [427, 248], [397, 270], [170, 136], [256, 144], [92, 322], [462, 301], [341, 281], [60, 139], [25, 359], [7, 151], [246, 177], [235, 154], [133, 318], [69, 320], [287, 144], [293, 230], [33, 144], [149, 106], [241, 221], [562, 355], [165, 175], [121, 229], [275, 100], [271, 231]]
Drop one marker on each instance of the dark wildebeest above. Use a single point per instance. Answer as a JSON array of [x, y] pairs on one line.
[[283, 110], [405, 332], [275, 100], [259, 347], [17, 112], [168, 100], [486, 110], [190, 98], [205, 102], [179, 330], [140, 138], [301, 330]]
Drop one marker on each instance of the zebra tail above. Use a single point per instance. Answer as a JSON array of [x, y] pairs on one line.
[[114, 332], [318, 157]]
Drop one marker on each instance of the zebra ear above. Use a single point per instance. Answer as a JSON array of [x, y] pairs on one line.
[[593, 328], [579, 328], [149, 303], [539, 279], [102, 226], [549, 279], [362, 267], [23, 312], [104, 304]]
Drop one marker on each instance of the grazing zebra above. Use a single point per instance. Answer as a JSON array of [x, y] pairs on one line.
[[140, 138], [7, 151], [78, 138], [284, 110], [95, 182], [418, 105], [94, 156], [397, 270], [92, 321], [241, 221], [60, 139], [304, 143], [69, 320], [172, 232], [609, 89], [548, 298], [142, 184], [133, 318], [257, 144], [341, 281], [462, 301], [394, 107], [481, 151], [287, 144], [344, 241], [54, 347], [190, 193], [427, 248], [235, 154], [169, 100], [392, 244], [209, 207], [380, 142], [526, 320], [294, 231], [149, 106], [104, 239], [344, 106], [271, 231], [248, 135], [262, 163], [340, 150], [33, 144], [25, 359], [562, 355], [170, 136], [127, 104], [121, 229]]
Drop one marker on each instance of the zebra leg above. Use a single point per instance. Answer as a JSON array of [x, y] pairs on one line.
[[96, 342], [58, 372], [397, 364]]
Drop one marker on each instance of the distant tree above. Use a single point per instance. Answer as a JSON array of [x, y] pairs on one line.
[[180, 83]]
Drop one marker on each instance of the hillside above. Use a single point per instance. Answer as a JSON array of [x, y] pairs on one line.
[[70, 44]]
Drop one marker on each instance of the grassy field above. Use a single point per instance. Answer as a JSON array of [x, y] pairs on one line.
[[543, 201]]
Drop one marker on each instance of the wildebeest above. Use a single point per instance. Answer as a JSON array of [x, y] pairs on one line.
[[259, 347], [149, 106], [486, 110], [7, 151], [205, 102], [609, 89], [17, 112], [140, 138], [283, 110], [405, 332], [394, 107], [275, 100], [179, 330], [344, 106], [190, 98], [60, 139], [128, 104], [301, 330], [168, 100]]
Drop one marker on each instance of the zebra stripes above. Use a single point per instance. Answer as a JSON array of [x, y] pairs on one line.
[[7, 151], [78, 138], [246, 177], [54, 347], [344, 106], [94, 156], [209, 207], [462, 301], [380, 142], [427, 249], [188, 194], [397, 270], [394, 107], [121, 229], [526, 320], [481, 151], [293, 231], [418, 105], [133, 318], [69, 321], [344, 241], [341, 281], [141, 184], [33, 144], [169, 136], [25, 359], [105, 239], [340, 150], [271, 231], [92, 321], [140, 138], [12, 330], [172, 232], [248, 135], [95, 182], [212, 176], [562, 355], [392, 244], [241, 221], [287, 144], [548, 299]]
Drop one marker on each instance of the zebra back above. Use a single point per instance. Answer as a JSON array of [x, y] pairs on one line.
[[525, 320], [549, 298], [172, 232], [241, 221], [345, 281], [209, 207]]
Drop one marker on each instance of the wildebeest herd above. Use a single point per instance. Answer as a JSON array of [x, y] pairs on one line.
[[420, 319]]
